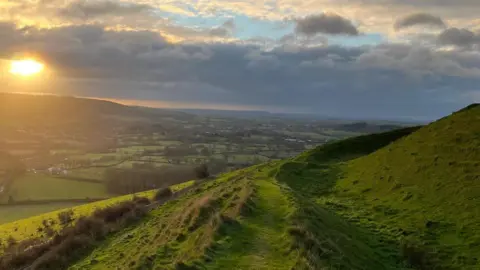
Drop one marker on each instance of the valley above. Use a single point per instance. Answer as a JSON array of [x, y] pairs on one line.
[[66, 146]]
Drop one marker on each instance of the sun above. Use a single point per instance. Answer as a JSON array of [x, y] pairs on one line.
[[26, 67]]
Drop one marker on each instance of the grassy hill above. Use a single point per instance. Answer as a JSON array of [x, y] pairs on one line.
[[406, 199]]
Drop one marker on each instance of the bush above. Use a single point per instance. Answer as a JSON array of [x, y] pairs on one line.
[[163, 193], [415, 255], [65, 217], [115, 212], [201, 172], [91, 226], [11, 241], [58, 257], [141, 200]]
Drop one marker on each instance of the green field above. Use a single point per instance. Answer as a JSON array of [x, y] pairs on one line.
[[44, 187], [90, 173], [11, 213]]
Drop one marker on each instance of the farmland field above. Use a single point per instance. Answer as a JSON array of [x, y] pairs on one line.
[[44, 187], [9, 213]]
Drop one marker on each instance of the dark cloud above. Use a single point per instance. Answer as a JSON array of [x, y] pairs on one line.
[[459, 37], [84, 9], [419, 19], [387, 80], [225, 30], [331, 24]]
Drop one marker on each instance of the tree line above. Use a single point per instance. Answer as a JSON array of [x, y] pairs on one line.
[[127, 181]]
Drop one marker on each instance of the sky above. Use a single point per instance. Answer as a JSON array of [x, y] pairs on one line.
[[376, 59]]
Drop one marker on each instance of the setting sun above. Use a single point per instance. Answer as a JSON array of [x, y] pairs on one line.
[[25, 67]]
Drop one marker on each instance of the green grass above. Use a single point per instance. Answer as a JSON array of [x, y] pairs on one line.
[[421, 189], [260, 240], [180, 231], [243, 220], [27, 228], [44, 187], [430, 181]]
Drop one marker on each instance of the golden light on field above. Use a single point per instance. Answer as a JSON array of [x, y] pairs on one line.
[[26, 67]]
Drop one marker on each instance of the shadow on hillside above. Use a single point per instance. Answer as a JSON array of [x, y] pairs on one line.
[[323, 237], [309, 179]]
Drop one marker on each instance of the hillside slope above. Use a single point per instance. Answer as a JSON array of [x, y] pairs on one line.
[[428, 187], [406, 199]]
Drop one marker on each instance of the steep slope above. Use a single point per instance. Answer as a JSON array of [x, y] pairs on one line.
[[420, 191], [427, 186]]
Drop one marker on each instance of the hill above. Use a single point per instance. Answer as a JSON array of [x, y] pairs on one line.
[[405, 199], [51, 110]]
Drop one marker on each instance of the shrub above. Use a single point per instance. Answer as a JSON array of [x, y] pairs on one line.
[[141, 200], [201, 172], [115, 212], [163, 193], [65, 217], [11, 241], [58, 256], [415, 255], [91, 226], [49, 232]]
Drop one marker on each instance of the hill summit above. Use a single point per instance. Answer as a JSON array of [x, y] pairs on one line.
[[405, 199]]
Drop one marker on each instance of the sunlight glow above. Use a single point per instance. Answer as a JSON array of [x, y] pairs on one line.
[[26, 67]]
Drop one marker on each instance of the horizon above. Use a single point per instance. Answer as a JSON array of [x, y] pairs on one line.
[[168, 106]]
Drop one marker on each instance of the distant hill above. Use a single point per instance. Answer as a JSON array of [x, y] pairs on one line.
[[404, 199], [364, 127], [23, 109]]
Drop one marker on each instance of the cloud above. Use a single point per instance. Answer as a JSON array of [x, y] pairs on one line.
[[459, 37], [84, 9], [389, 80], [225, 30], [326, 23], [419, 19]]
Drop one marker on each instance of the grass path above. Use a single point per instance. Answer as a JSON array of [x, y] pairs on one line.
[[260, 240]]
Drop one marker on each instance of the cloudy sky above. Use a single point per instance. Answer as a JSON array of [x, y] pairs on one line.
[[411, 59]]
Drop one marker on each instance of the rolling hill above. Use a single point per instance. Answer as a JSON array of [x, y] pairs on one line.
[[405, 199], [20, 110]]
